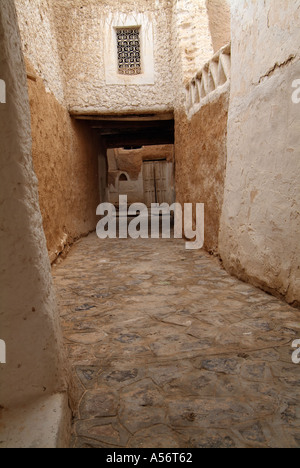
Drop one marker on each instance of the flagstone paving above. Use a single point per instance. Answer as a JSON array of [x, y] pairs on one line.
[[169, 351]]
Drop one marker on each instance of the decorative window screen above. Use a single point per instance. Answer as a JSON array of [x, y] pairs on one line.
[[129, 51]]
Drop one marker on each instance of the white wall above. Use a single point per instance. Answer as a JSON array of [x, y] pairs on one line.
[[260, 228], [70, 45], [192, 43], [28, 316], [82, 36], [39, 42]]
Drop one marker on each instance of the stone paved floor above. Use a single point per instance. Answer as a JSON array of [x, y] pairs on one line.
[[169, 351]]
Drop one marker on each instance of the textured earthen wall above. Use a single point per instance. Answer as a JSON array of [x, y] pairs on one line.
[[132, 161], [200, 143], [39, 43], [65, 157], [66, 43], [260, 227], [192, 35], [28, 316], [191, 44], [219, 22], [80, 29], [200, 148]]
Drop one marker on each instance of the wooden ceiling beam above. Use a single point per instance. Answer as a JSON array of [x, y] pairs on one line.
[[132, 125], [124, 118], [140, 139]]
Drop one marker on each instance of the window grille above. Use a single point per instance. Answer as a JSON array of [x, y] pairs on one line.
[[129, 51]]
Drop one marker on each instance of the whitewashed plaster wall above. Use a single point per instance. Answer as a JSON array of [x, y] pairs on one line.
[[39, 43], [191, 43], [219, 22], [82, 36], [70, 43], [260, 227], [142, 22], [28, 316]]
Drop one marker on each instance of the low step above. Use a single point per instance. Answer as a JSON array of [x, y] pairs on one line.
[[44, 423]]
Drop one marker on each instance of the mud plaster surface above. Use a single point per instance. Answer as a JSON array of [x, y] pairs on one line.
[[201, 164], [65, 161]]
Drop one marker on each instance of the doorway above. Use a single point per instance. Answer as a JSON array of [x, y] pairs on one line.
[[155, 175]]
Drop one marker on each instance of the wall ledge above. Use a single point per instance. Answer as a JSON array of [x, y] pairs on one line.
[[44, 423], [210, 82]]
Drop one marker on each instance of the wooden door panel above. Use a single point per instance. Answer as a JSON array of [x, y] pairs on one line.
[[149, 183], [161, 181], [155, 174]]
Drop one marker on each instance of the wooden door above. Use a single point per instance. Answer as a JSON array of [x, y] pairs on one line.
[[155, 182], [149, 183], [160, 175]]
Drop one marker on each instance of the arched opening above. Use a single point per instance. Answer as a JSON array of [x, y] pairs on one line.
[[123, 178]]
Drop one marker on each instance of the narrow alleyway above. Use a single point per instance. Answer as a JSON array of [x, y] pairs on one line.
[[168, 350]]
